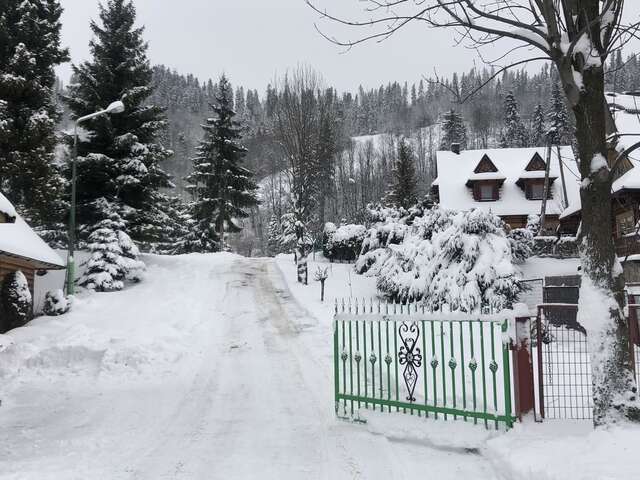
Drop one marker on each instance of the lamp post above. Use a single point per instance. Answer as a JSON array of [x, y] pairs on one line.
[[115, 107]]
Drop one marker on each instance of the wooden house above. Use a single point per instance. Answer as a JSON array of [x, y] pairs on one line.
[[508, 182], [21, 248], [625, 190]]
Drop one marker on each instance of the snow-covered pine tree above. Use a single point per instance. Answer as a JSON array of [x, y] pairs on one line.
[[453, 130], [538, 127], [29, 51], [273, 236], [114, 256], [104, 268], [120, 159], [222, 188], [558, 117], [404, 183], [514, 134]]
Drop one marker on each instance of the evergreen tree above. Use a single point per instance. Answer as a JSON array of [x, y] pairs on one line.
[[539, 127], [222, 188], [29, 51], [403, 190], [120, 159], [273, 236], [453, 130], [558, 117], [514, 134]]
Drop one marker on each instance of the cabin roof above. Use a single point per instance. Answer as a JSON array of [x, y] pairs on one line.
[[455, 170], [18, 240]]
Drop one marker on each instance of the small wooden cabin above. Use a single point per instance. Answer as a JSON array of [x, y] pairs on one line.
[[508, 182], [21, 248]]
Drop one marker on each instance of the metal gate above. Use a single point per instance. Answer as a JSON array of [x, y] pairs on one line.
[[423, 365], [563, 367]]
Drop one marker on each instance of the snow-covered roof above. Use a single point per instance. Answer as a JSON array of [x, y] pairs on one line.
[[17, 239], [626, 115], [454, 170], [6, 207], [625, 110]]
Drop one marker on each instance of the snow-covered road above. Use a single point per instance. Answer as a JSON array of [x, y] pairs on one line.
[[209, 369]]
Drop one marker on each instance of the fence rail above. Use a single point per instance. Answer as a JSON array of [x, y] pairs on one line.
[[421, 365]]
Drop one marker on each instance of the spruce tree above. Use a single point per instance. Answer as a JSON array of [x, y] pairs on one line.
[[273, 236], [539, 127], [222, 188], [514, 134], [403, 190], [558, 117], [29, 51], [120, 158], [453, 130]]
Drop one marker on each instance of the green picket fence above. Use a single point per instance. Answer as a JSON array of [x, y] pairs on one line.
[[424, 365]]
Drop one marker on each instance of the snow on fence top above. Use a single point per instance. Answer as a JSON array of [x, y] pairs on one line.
[[18, 239], [454, 170]]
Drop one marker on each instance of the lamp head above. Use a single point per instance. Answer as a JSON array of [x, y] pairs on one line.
[[115, 107]]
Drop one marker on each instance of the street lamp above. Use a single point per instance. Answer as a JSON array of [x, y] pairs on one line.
[[115, 107]]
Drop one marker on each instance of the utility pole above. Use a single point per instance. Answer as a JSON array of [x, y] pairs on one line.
[[545, 192], [564, 185]]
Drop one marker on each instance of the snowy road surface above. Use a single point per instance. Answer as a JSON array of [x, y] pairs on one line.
[[209, 369]]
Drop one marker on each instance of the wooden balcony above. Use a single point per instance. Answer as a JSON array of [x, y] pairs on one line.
[[627, 245]]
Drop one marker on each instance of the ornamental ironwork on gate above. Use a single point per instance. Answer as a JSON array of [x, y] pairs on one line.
[[423, 364]]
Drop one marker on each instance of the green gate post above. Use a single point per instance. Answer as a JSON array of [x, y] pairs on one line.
[[507, 377]]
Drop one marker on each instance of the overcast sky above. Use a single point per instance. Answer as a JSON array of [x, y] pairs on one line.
[[254, 40]]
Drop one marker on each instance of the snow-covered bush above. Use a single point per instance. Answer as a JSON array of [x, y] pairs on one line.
[[388, 228], [55, 303], [521, 240], [345, 243], [133, 268], [327, 233], [15, 301], [114, 257], [459, 259]]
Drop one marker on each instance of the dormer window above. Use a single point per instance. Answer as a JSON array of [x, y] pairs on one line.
[[487, 192], [485, 181], [535, 190]]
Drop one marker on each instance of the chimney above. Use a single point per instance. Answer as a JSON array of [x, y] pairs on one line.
[[455, 148]]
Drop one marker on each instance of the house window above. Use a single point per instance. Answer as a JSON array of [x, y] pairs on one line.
[[625, 223], [486, 192], [536, 191]]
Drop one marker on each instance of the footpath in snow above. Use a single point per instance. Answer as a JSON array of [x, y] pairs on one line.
[[217, 366]]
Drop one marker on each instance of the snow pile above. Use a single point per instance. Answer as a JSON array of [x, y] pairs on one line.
[[55, 303], [118, 334], [565, 450]]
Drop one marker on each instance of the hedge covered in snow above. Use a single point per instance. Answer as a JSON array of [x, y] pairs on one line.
[[462, 259], [343, 243]]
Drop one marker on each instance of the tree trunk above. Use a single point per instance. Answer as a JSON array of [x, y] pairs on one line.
[[614, 388]]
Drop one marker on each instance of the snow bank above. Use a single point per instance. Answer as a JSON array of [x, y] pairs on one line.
[[117, 333], [566, 450]]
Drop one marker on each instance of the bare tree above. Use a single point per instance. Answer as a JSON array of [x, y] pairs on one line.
[[577, 36]]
